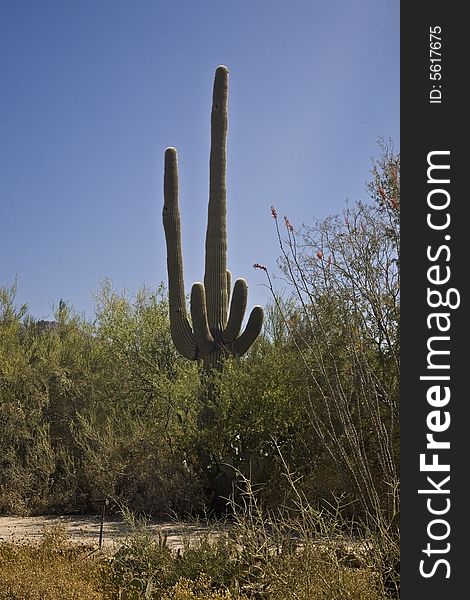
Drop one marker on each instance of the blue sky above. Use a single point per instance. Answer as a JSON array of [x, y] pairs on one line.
[[92, 92]]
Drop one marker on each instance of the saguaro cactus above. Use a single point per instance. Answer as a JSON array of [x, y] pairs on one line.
[[215, 330]]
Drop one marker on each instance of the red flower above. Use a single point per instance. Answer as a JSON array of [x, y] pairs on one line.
[[320, 255], [258, 266]]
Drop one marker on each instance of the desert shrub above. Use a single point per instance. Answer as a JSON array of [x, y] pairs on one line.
[[146, 562], [252, 558], [201, 589], [317, 573], [88, 410], [343, 272]]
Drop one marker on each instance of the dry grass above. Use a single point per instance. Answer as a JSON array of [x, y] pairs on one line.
[[220, 568], [186, 589], [50, 570], [320, 574]]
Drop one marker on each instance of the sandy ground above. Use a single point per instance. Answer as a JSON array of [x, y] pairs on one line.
[[86, 529]]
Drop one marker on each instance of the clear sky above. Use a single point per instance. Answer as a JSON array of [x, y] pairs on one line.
[[93, 91]]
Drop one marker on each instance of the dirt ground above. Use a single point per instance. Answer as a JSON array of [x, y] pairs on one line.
[[86, 529]]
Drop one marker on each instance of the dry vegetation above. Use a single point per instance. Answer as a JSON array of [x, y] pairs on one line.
[[106, 408], [243, 566]]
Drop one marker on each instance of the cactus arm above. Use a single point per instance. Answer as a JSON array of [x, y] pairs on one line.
[[181, 331], [215, 275], [229, 285], [237, 311], [252, 330], [204, 339]]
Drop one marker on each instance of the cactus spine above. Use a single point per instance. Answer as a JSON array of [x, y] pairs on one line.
[[215, 330]]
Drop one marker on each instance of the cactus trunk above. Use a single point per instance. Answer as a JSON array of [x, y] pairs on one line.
[[215, 277], [214, 333]]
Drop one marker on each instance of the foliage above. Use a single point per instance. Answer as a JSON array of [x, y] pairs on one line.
[[344, 275], [110, 408], [89, 410]]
